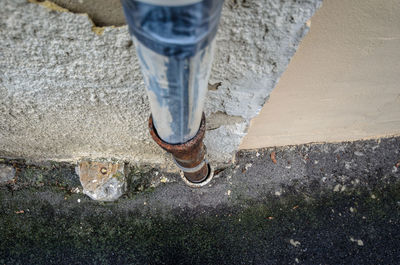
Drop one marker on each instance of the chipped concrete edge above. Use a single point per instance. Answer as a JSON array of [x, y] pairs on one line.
[[54, 7]]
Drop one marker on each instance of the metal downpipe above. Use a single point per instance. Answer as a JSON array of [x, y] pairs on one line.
[[174, 41]]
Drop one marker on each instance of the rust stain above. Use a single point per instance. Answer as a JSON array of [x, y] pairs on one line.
[[93, 174], [189, 154]]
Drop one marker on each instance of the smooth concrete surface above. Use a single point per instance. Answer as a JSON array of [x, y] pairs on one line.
[[343, 82], [70, 89]]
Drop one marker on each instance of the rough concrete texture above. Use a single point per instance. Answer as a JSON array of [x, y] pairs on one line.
[[7, 174], [70, 90], [312, 204], [102, 181]]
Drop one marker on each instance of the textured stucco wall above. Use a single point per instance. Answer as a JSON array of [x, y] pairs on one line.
[[70, 90]]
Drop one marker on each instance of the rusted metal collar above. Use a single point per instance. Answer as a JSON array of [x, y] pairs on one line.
[[189, 156]]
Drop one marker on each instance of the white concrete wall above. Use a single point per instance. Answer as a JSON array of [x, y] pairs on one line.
[[343, 82], [70, 90]]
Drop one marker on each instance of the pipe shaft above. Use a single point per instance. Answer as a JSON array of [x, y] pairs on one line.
[[174, 40], [174, 44]]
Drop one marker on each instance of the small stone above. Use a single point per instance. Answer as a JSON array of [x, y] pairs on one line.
[[355, 182], [76, 190], [229, 192], [358, 241], [294, 243], [248, 165], [337, 188], [164, 180], [339, 149], [278, 193], [373, 196], [7, 174], [102, 181], [79, 200], [357, 153]]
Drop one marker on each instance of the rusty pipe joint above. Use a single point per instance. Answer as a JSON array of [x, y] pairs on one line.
[[190, 157]]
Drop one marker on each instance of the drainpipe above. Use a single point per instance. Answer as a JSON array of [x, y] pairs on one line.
[[174, 41]]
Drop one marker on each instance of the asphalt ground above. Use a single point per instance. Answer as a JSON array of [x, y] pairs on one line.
[[308, 204]]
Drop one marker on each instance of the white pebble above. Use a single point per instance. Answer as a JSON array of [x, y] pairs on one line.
[[337, 188], [294, 243], [358, 241]]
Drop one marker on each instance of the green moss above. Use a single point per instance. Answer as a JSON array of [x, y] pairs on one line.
[[139, 180], [68, 232], [224, 236], [119, 176]]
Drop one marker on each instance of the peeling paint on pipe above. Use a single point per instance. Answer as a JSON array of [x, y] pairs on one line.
[[174, 41], [189, 156]]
